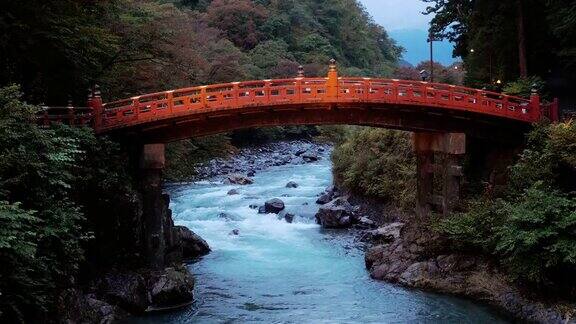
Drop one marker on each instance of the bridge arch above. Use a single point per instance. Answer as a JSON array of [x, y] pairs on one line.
[[399, 104]]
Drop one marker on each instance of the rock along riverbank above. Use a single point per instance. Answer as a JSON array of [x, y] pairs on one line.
[[405, 251]]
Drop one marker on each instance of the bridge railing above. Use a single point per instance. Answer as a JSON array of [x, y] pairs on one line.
[[310, 91], [73, 116]]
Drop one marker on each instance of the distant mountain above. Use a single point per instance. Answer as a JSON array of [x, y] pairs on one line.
[[404, 63], [418, 49]]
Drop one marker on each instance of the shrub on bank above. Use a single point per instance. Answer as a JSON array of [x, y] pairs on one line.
[[379, 163], [531, 227]]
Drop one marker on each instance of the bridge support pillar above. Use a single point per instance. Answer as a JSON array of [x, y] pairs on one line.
[[439, 172], [152, 162]]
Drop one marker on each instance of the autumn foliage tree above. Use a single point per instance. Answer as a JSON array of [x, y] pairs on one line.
[[240, 19]]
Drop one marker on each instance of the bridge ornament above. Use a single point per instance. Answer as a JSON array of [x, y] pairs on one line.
[[300, 91]]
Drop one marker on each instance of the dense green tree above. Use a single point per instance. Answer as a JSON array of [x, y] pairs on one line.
[[40, 249], [55, 184], [505, 40], [54, 48]]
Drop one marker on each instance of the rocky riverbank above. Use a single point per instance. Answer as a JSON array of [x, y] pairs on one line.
[[404, 250], [250, 160], [134, 290]]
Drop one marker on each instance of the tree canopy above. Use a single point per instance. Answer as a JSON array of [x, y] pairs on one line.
[[57, 49], [505, 40]]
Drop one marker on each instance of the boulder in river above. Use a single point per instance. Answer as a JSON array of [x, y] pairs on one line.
[[336, 214], [238, 179], [172, 287], [233, 192], [289, 218], [284, 215], [300, 151], [291, 184], [234, 232], [310, 156], [191, 245], [273, 206]]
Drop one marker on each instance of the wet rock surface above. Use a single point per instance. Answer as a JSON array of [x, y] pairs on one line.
[[273, 206], [189, 243], [122, 292], [172, 287], [291, 184], [338, 213], [238, 179], [233, 192]]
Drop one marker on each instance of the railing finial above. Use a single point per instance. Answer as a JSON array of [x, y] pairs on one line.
[[534, 89], [332, 65], [300, 71], [332, 81], [97, 92], [536, 107]]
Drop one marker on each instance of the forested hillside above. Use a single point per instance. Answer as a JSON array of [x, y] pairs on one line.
[[131, 47]]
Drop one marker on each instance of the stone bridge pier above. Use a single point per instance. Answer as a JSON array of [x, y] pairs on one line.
[[439, 171], [151, 165]]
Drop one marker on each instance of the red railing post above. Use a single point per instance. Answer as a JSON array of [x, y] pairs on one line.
[[204, 97], [170, 101], [298, 90], [535, 106], [236, 93], [555, 111], [332, 82]]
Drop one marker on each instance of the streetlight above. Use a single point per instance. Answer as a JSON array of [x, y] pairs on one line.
[[431, 40], [424, 75]]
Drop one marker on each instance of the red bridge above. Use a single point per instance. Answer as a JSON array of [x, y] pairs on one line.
[[407, 105], [441, 116]]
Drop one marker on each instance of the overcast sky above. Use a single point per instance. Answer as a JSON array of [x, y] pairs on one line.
[[404, 21], [398, 14]]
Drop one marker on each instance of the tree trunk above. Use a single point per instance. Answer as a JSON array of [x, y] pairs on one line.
[[522, 42]]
